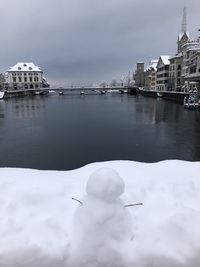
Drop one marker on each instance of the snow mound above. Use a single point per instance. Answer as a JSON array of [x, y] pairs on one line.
[[40, 224]]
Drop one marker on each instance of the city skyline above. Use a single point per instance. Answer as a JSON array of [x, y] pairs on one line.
[[76, 42]]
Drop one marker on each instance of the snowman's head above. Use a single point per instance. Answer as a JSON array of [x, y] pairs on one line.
[[105, 184]]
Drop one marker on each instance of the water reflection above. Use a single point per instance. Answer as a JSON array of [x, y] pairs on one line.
[[2, 109], [69, 131], [24, 108]]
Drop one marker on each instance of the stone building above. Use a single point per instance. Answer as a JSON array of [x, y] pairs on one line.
[[191, 60], [176, 79], [2, 81], [25, 76], [139, 75], [162, 78], [150, 75]]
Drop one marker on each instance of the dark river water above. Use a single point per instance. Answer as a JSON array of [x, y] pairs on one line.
[[69, 131]]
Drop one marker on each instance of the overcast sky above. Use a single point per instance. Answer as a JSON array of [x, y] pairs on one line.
[[87, 41]]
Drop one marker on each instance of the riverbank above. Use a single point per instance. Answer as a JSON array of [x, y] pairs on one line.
[[177, 97]]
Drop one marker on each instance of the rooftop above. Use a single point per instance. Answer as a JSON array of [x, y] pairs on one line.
[[24, 66], [165, 59]]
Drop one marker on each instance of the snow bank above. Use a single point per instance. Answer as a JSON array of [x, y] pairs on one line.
[[40, 224]]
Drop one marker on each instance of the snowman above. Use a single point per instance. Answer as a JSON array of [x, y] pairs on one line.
[[101, 221]]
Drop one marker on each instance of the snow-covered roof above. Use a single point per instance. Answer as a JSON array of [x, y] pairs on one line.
[[153, 64], [178, 55], [24, 66], [165, 59]]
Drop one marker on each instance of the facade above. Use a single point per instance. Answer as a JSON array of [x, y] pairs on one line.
[[191, 62], [139, 76], [24, 76], [176, 80], [2, 81], [150, 75], [162, 82]]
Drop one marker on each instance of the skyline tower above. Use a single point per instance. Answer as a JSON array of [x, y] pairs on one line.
[[183, 36]]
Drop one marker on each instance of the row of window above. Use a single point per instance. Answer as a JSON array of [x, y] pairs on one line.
[[26, 86], [25, 74], [172, 74], [166, 67], [31, 79], [163, 75], [162, 82], [173, 67]]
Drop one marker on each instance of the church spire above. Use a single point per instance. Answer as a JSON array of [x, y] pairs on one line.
[[183, 36], [184, 24], [184, 21]]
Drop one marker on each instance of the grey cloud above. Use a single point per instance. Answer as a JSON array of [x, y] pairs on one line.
[[95, 39]]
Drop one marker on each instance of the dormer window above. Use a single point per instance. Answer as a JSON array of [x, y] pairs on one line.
[[25, 65], [19, 68], [30, 68]]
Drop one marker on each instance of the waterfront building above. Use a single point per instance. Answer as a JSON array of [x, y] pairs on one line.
[[150, 75], [25, 76], [162, 77], [191, 61], [176, 79], [2, 81], [139, 75]]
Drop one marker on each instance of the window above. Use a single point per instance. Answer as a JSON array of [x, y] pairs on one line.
[[25, 79], [14, 79], [30, 79], [20, 79]]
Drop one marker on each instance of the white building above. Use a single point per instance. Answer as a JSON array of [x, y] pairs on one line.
[[25, 76], [150, 75], [162, 81]]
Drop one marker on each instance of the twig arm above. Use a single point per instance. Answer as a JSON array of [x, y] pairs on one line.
[[132, 205], [77, 200]]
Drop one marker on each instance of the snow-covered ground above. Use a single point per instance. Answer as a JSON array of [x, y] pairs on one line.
[[40, 224]]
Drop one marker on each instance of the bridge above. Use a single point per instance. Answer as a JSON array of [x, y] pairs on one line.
[[97, 89]]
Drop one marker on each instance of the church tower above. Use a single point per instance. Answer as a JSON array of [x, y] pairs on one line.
[[183, 37]]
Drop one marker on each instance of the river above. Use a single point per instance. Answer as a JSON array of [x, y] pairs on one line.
[[66, 132]]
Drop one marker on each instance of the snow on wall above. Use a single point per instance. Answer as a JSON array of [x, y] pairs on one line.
[[40, 225]]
